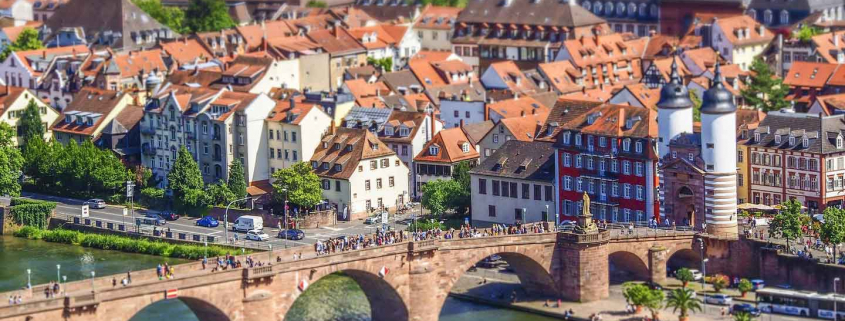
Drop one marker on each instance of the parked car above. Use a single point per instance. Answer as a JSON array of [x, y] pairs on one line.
[[292, 234], [719, 299], [747, 308], [153, 219], [208, 221], [257, 235], [95, 203], [170, 216], [372, 220], [655, 286], [696, 274]]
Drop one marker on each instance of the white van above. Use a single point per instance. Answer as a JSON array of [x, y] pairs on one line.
[[248, 222]]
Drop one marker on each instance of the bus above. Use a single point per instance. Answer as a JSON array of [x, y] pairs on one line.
[[800, 303]]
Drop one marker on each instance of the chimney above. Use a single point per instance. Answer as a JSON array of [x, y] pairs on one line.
[[44, 54], [762, 29], [515, 96], [461, 123]]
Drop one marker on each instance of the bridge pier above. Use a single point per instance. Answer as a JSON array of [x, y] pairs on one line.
[[580, 266], [657, 257], [424, 302]]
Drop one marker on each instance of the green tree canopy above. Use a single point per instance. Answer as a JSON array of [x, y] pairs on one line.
[[316, 4], [806, 33], [437, 195], [237, 182], [219, 194], [11, 163], [459, 196], [27, 40], [685, 276], [385, 63], [682, 300], [832, 230], [172, 17], [185, 179], [765, 91], [299, 185], [30, 124], [208, 15], [787, 223], [696, 105]]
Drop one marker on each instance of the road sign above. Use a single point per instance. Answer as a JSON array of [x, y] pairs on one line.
[[130, 188], [384, 217], [85, 212], [171, 294], [125, 212]]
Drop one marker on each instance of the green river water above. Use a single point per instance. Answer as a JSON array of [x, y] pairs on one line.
[[334, 297]]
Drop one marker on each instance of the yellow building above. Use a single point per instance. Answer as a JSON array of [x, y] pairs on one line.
[[13, 102], [746, 121]]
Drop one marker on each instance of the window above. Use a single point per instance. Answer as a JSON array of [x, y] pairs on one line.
[[327, 185], [626, 144], [482, 186], [578, 139], [378, 183], [567, 183], [495, 138], [626, 167], [638, 169], [491, 210], [513, 189], [433, 150], [390, 181], [373, 164], [505, 190], [577, 161], [495, 188], [639, 147], [640, 193], [626, 191], [537, 192], [270, 134], [567, 160], [767, 17], [739, 157], [526, 191], [367, 185], [784, 17], [548, 192]]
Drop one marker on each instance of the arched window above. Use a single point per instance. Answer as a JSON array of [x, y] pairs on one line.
[[752, 13], [632, 9], [643, 8], [217, 152], [597, 7], [653, 10], [784, 17], [587, 5], [608, 8], [218, 171], [216, 131], [620, 9], [172, 133], [767, 17]]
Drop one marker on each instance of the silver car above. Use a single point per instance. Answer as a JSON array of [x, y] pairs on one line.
[[96, 203]]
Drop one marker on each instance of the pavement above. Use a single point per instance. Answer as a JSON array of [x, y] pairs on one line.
[[500, 284], [68, 208]]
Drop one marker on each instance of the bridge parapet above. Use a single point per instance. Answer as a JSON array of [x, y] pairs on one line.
[[424, 245], [82, 301], [260, 272], [569, 237]]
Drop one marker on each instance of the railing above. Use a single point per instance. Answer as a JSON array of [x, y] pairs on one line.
[[258, 272], [422, 245], [83, 300], [573, 237], [149, 130]]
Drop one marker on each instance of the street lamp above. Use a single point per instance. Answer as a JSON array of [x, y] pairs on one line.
[[835, 312], [524, 215], [28, 279], [93, 289], [226, 217]]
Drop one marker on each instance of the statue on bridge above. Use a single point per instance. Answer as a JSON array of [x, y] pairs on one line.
[[585, 221]]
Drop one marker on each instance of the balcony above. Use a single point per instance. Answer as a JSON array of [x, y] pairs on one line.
[[147, 150], [148, 130], [191, 135]]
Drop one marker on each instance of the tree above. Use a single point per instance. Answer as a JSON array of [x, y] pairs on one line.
[[11, 163], [208, 15], [719, 282], [316, 4], [832, 231], [298, 185], [653, 301], [40, 161], [682, 299], [237, 182], [696, 105], [219, 194], [787, 223], [143, 177], [27, 40], [436, 195], [385, 64], [459, 194], [30, 125], [744, 287], [172, 17], [185, 179], [685, 276], [765, 91], [806, 33], [635, 294]]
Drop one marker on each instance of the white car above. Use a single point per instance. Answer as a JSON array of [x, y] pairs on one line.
[[257, 235], [719, 299], [696, 274]]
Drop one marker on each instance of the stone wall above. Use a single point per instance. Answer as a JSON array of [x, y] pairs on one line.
[[311, 220]]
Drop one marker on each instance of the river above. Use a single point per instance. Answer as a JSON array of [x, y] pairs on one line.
[[335, 297]]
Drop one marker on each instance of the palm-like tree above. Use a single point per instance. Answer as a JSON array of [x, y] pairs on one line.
[[743, 316], [682, 299]]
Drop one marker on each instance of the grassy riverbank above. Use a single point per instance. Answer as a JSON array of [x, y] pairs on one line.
[[122, 243]]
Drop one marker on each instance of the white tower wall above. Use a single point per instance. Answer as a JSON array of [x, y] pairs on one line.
[[718, 131], [671, 123]]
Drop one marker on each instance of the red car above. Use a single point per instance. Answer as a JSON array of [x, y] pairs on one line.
[[170, 216]]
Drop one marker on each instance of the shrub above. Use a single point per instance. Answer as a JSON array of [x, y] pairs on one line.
[[31, 212], [685, 276], [719, 282]]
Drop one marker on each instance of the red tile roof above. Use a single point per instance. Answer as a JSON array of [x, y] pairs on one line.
[[449, 144], [809, 74], [186, 51]]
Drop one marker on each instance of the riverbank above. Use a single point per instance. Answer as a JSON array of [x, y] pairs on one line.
[[123, 243]]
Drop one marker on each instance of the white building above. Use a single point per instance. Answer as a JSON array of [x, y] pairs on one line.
[[294, 131], [359, 173]]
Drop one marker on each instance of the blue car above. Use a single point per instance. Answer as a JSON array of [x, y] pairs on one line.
[[292, 234], [208, 221]]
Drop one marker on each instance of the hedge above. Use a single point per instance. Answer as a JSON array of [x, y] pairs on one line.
[[122, 243], [27, 212]]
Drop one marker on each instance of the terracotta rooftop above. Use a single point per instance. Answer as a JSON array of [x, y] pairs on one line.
[[338, 155], [809, 74], [449, 144], [437, 17]]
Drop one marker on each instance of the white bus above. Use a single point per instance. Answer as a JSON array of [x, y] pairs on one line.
[[800, 303]]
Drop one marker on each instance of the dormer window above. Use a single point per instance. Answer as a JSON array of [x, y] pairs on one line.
[[348, 147], [314, 165], [465, 147], [325, 165], [325, 145], [777, 139], [388, 130], [337, 146], [433, 150], [805, 142], [337, 167], [404, 132], [839, 142], [626, 144], [791, 141], [639, 147], [68, 119], [757, 137]]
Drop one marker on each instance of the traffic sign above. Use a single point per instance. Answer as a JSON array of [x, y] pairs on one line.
[[125, 211], [85, 212], [384, 217], [171, 294]]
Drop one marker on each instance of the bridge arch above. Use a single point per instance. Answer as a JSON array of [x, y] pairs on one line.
[[683, 258], [627, 266], [386, 303], [202, 309]]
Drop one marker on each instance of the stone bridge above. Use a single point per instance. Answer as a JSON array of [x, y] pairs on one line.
[[403, 281]]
